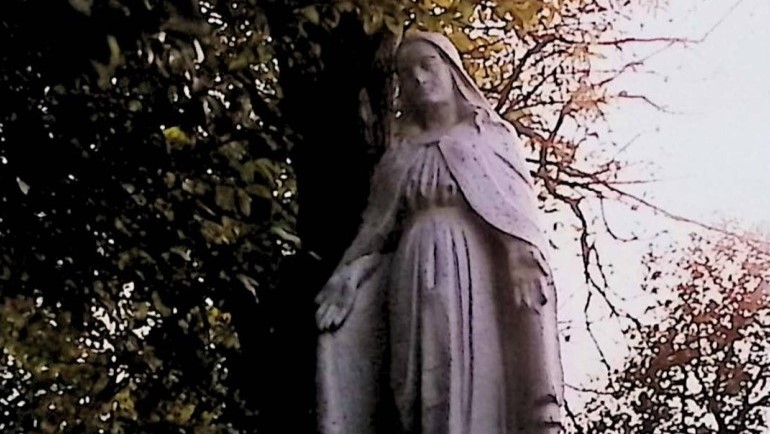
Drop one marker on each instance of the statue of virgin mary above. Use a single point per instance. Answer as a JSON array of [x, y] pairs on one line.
[[441, 316]]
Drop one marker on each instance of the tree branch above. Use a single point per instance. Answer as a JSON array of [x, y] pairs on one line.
[[505, 93]]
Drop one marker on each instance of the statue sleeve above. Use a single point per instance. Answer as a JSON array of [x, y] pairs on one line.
[[378, 220]]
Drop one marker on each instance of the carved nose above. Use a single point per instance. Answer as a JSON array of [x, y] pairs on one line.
[[420, 78]]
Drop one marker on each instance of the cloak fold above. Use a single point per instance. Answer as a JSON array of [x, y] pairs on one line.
[[493, 178]]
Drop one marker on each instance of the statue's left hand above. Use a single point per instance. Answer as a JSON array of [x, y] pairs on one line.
[[529, 286], [528, 280]]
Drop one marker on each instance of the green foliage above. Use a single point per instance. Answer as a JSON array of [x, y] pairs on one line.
[[157, 193]]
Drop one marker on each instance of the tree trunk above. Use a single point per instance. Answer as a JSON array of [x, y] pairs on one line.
[[337, 112]]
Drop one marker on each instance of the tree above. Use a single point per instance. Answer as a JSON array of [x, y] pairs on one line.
[[703, 366], [158, 275]]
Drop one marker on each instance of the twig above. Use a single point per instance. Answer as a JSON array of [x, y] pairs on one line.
[[505, 93], [573, 418], [584, 390], [590, 331]]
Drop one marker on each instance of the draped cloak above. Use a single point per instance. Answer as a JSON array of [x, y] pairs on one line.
[[491, 173]]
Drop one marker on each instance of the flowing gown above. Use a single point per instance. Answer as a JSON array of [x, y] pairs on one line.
[[464, 359]]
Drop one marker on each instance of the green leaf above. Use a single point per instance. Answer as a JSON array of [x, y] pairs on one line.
[[466, 10], [260, 191], [6, 274], [345, 6], [213, 232], [107, 71], [225, 197], [194, 186], [372, 21], [432, 23], [311, 14], [234, 150], [134, 105], [526, 11], [285, 235], [393, 25], [334, 20], [140, 310], [176, 138], [244, 202], [238, 63], [262, 166], [461, 40], [158, 304]]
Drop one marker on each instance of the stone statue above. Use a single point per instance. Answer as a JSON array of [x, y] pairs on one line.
[[441, 316]]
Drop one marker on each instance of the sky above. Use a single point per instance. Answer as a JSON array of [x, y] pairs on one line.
[[709, 150], [712, 152]]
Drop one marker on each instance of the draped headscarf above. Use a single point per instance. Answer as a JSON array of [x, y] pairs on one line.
[[464, 84]]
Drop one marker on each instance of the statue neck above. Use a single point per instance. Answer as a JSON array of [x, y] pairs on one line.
[[440, 117]]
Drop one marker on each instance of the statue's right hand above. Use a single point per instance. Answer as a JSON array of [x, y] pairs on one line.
[[335, 301]]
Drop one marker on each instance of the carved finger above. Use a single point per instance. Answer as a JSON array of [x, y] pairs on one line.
[[534, 294], [321, 297], [344, 306], [338, 317], [318, 315], [333, 321], [319, 323], [517, 295], [321, 312], [327, 318], [333, 312], [542, 286], [523, 288]]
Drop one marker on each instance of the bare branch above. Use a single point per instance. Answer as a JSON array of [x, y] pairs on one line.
[[602, 357], [609, 229], [526, 131], [721, 20], [661, 39], [682, 219], [585, 390], [573, 418], [505, 93], [536, 87], [625, 95]]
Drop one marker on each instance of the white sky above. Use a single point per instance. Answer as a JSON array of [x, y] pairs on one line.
[[715, 152], [712, 156]]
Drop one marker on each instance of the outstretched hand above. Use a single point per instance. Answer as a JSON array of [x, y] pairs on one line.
[[335, 301]]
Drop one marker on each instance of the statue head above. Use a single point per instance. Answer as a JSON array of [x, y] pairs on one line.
[[425, 77], [430, 73]]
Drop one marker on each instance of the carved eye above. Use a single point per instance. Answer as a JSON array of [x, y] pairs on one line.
[[430, 63]]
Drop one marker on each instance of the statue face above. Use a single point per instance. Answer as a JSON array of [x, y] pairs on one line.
[[424, 76]]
